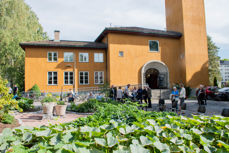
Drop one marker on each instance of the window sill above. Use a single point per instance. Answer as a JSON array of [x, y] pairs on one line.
[[52, 61], [52, 84]]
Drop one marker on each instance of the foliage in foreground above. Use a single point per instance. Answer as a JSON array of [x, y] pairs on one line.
[[123, 129], [26, 104], [6, 118], [6, 101]]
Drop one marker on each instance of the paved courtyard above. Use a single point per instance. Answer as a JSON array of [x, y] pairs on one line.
[[212, 107], [34, 119]]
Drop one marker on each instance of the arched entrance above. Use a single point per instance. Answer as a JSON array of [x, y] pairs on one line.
[[151, 77], [155, 74]]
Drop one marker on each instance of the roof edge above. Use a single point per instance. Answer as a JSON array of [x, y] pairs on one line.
[[176, 35]]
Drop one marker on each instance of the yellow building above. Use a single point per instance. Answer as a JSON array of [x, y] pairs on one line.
[[126, 55]]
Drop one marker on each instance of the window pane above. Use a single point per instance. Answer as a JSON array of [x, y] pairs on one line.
[[68, 57], [54, 77], [54, 56], [101, 57], [50, 56], [81, 57], [153, 46]]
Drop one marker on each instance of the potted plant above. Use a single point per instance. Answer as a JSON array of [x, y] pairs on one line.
[[60, 108], [48, 104]]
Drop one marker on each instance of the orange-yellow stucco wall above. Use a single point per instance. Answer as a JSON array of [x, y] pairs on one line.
[[127, 69], [188, 17], [37, 67]]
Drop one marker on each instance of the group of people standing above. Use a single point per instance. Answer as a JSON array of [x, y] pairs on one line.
[[136, 94]]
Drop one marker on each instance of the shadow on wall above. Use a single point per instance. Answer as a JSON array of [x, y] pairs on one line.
[[200, 77], [64, 65]]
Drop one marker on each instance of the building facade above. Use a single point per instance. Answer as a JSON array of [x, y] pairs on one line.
[[126, 55], [224, 70]]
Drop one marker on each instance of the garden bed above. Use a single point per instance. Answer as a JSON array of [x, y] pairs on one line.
[[11, 126]]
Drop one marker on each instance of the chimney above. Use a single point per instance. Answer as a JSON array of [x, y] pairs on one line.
[[56, 35]]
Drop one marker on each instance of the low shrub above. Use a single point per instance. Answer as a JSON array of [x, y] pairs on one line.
[[60, 103], [26, 104], [87, 107], [36, 90], [48, 99], [6, 118]]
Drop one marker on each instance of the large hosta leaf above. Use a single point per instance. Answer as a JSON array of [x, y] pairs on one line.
[[101, 141], [27, 137], [111, 141], [145, 141], [164, 148], [136, 148]]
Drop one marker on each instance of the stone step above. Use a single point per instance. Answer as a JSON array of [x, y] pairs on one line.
[[165, 93]]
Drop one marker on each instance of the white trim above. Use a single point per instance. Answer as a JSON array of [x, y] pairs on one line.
[[98, 77], [154, 61], [72, 58], [84, 61], [52, 56], [68, 79], [84, 80], [99, 53], [158, 46], [52, 78]]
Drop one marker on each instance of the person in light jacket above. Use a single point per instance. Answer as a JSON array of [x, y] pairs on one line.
[[119, 94], [182, 96]]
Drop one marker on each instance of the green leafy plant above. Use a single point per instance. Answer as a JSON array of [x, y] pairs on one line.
[[6, 101], [123, 128], [86, 107], [48, 99], [6, 118], [36, 90], [60, 103], [26, 104]]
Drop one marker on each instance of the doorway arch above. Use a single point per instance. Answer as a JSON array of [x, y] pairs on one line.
[[155, 74]]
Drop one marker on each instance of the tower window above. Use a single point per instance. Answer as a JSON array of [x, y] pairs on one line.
[[121, 54], [153, 46]]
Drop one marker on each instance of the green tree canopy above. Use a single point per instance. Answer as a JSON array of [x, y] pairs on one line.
[[18, 23], [214, 62]]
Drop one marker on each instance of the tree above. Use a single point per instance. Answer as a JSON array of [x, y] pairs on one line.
[[18, 23], [214, 62], [215, 82]]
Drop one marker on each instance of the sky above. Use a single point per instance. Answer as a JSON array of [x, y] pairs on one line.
[[84, 20]]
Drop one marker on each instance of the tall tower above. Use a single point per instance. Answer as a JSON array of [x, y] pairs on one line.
[[188, 17]]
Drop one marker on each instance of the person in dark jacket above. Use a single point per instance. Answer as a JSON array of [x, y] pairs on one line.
[[139, 94], [113, 92], [201, 96], [145, 95], [149, 94]]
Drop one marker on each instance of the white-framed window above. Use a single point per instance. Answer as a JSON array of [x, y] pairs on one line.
[[68, 78], [99, 77], [83, 57], [52, 78], [121, 54], [68, 57], [52, 56], [98, 57], [153, 45], [83, 78]]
